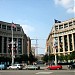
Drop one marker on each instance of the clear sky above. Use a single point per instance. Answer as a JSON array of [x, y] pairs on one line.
[[36, 16]]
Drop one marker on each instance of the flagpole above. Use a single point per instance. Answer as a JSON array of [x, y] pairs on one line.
[[12, 48]]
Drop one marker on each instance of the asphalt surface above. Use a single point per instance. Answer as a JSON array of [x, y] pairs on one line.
[[37, 72], [43, 71]]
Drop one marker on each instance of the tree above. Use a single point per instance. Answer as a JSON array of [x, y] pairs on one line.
[[51, 57], [45, 58], [31, 58], [24, 57], [61, 57], [73, 55]]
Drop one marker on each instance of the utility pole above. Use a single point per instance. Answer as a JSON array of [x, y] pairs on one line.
[[12, 26], [36, 47], [12, 48], [55, 46]]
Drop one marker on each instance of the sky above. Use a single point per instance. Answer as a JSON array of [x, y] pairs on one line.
[[36, 16]]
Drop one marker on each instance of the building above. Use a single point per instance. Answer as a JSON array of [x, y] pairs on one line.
[[28, 45], [61, 39], [20, 39]]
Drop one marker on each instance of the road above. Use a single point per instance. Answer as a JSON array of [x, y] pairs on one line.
[[37, 72]]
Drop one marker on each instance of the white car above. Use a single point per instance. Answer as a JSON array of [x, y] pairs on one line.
[[15, 66], [32, 67]]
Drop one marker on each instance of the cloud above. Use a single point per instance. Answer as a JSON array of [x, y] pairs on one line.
[[27, 29], [71, 10], [69, 5]]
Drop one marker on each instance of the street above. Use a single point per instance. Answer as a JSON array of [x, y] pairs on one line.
[[37, 72]]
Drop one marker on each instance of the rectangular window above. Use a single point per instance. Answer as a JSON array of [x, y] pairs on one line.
[[0, 44], [70, 42], [8, 27], [0, 25], [60, 26], [19, 45], [14, 29], [56, 27], [74, 22], [70, 23], [18, 29], [3, 26], [5, 44], [66, 25], [66, 43]]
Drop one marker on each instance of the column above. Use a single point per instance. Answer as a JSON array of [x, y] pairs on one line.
[[2, 45], [68, 43], [58, 45], [7, 45], [22, 46], [72, 41], [63, 45], [17, 45]]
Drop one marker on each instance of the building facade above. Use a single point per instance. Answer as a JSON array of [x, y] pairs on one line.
[[61, 39], [20, 39]]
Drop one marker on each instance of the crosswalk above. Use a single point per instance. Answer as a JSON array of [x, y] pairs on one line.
[[43, 73]]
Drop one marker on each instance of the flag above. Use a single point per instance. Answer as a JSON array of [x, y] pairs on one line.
[[57, 21], [13, 25]]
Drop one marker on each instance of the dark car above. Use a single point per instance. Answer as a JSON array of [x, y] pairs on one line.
[[72, 66]]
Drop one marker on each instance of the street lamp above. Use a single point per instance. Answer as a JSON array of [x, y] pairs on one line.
[[12, 48], [12, 26]]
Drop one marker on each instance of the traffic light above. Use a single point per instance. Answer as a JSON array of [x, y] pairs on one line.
[[9, 48], [15, 48]]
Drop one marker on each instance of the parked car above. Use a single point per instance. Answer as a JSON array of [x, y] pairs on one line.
[[3, 66], [54, 67], [32, 67], [15, 66], [72, 66]]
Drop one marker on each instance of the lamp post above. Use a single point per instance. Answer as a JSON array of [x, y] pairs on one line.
[[12, 48]]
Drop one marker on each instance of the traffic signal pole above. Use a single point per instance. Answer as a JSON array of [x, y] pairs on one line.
[[55, 58], [55, 48], [12, 48]]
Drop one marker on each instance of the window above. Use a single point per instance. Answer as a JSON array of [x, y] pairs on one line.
[[60, 26], [14, 29], [0, 25], [3, 26], [56, 27], [70, 23], [18, 29], [65, 25], [74, 22], [8, 27]]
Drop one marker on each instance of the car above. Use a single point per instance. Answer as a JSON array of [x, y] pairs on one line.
[[3, 66], [54, 67], [72, 66], [32, 67], [15, 66]]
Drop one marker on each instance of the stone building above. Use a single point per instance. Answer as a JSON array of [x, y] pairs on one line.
[[20, 39], [61, 39]]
